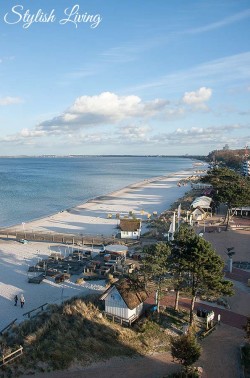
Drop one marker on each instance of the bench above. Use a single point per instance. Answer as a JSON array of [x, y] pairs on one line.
[[204, 334]]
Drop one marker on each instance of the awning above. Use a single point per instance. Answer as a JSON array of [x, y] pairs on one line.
[[203, 202]]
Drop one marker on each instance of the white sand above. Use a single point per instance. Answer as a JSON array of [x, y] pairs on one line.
[[91, 218], [15, 258]]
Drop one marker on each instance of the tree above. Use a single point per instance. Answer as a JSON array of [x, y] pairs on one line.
[[230, 158], [185, 349], [155, 266], [205, 270], [229, 187], [195, 267], [177, 260]]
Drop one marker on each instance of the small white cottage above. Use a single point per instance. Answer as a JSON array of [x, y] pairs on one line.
[[123, 301], [130, 228], [198, 214]]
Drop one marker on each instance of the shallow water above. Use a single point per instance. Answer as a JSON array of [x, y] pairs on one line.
[[31, 188]]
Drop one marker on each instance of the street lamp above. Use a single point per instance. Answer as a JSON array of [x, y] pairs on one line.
[[230, 254]]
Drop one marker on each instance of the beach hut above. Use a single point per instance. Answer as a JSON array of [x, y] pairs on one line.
[[204, 203], [123, 302], [198, 214], [130, 228]]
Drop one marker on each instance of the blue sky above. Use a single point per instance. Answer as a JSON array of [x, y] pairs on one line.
[[139, 77]]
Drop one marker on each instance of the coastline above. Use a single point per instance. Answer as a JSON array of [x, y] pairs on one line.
[[90, 217], [98, 216]]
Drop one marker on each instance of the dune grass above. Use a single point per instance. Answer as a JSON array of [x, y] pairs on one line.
[[77, 332]]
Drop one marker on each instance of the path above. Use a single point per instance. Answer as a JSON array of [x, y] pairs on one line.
[[156, 366], [228, 317]]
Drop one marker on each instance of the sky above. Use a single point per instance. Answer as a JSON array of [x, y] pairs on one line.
[[143, 77]]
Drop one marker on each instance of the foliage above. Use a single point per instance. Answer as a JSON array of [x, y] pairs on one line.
[[229, 187], [231, 158], [155, 262], [197, 266], [205, 269], [247, 329], [155, 267], [177, 260], [185, 349]]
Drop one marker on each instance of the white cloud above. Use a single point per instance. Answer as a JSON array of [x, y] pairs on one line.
[[203, 136], [134, 133], [198, 97], [4, 101], [104, 109], [27, 133]]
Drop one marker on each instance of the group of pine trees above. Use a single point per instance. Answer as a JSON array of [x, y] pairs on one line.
[[188, 264]]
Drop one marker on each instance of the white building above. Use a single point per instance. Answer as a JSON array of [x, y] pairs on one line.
[[246, 168], [130, 228], [122, 301], [198, 214]]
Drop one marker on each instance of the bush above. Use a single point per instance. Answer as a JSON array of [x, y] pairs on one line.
[[185, 349]]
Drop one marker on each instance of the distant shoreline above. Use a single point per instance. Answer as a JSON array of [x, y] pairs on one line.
[[193, 157]]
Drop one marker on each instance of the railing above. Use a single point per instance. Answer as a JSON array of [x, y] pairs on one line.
[[8, 326], [118, 319], [37, 308], [11, 356], [57, 238]]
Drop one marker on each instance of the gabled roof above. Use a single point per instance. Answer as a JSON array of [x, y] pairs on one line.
[[200, 209], [202, 201], [131, 296], [130, 224]]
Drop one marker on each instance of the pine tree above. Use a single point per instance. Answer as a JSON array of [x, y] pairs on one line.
[[185, 349], [155, 266], [205, 270], [196, 267], [177, 260]]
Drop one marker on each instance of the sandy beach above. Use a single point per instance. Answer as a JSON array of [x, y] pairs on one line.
[[89, 218], [98, 216]]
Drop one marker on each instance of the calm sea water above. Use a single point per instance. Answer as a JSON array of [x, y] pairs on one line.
[[35, 187]]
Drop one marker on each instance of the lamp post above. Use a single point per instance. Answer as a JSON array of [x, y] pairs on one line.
[[230, 254]]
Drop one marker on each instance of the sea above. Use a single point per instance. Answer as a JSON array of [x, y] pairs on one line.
[[34, 187]]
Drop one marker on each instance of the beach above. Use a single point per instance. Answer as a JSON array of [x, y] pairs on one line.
[[90, 218], [99, 215]]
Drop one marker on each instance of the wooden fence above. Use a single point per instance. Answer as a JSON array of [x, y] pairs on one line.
[[6, 358], [56, 238]]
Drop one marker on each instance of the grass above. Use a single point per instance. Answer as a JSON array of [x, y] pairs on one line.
[[77, 332]]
